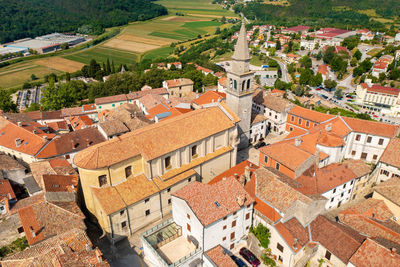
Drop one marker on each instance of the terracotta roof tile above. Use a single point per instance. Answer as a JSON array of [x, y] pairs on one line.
[[156, 140], [179, 82], [149, 101], [6, 189], [110, 99], [113, 127], [266, 210], [212, 202], [308, 114], [209, 97], [236, 170], [80, 122], [372, 254], [71, 142], [109, 199], [372, 127], [219, 257], [58, 125], [44, 115], [390, 189], [340, 240], [295, 235], [60, 183], [391, 154], [278, 194], [8, 163]]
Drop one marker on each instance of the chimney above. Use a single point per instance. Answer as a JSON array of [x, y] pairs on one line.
[[45, 138], [242, 180], [328, 127], [247, 173], [297, 142], [34, 131], [18, 142], [393, 251], [19, 124], [240, 199]]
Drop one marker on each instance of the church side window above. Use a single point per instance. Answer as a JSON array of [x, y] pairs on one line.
[[248, 84], [235, 84]]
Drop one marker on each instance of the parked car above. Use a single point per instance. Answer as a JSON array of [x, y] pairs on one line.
[[250, 257], [238, 261], [258, 145]]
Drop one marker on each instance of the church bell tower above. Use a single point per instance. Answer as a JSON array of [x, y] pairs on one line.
[[239, 94]]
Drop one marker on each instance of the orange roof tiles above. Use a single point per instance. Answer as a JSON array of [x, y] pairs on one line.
[[212, 202], [219, 257], [89, 107], [391, 154], [60, 183], [341, 241], [373, 254], [266, 210], [58, 125], [235, 171], [179, 82], [287, 154], [156, 140], [80, 122], [110, 99], [30, 143], [372, 127], [308, 114], [295, 235], [383, 90], [323, 69], [209, 97], [6, 189], [109, 199], [390, 189]]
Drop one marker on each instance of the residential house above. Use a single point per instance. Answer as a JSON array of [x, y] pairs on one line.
[[80, 122], [7, 196], [177, 65], [179, 87], [110, 102], [207, 98], [12, 169], [112, 128], [58, 127], [164, 111], [217, 256], [381, 65], [88, 109], [323, 70], [389, 192], [140, 170], [389, 163], [258, 129]]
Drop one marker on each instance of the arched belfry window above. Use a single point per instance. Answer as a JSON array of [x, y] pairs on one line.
[[235, 84], [248, 84], [243, 85]]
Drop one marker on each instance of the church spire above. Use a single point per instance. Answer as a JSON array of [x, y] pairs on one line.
[[241, 48]]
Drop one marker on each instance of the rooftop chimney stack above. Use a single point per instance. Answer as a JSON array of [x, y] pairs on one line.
[[18, 142], [328, 127], [240, 200], [247, 173], [19, 124], [297, 142]]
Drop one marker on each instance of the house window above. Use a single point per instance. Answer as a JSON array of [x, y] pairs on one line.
[[278, 166], [167, 163], [344, 186], [113, 105], [328, 255], [234, 213], [102, 180], [300, 121], [332, 199], [128, 171], [232, 246], [247, 227], [224, 238], [188, 216], [364, 155], [123, 225], [307, 123], [369, 139], [232, 235], [266, 159], [188, 227], [291, 129], [234, 223], [189, 179], [334, 190], [169, 201], [224, 227], [225, 218], [247, 216], [122, 212], [374, 157], [147, 212], [20, 230], [353, 153], [292, 118], [146, 200], [279, 247], [280, 259], [380, 142], [194, 152], [169, 190], [349, 191], [358, 137]]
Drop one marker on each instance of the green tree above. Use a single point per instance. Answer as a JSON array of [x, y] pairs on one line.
[[339, 93], [94, 67], [353, 62], [217, 30], [330, 84], [64, 46], [33, 77], [306, 62], [357, 54], [262, 234], [33, 107], [329, 54], [6, 104], [67, 76], [108, 67], [278, 45]]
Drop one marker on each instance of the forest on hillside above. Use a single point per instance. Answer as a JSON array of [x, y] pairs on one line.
[[31, 18], [339, 13]]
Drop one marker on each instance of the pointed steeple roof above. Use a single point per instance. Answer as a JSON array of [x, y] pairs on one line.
[[242, 47]]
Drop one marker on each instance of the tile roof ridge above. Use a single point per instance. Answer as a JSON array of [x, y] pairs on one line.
[[348, 126], [51, 203]]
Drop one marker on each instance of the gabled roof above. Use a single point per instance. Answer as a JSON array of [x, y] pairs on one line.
[[308, 114], [110, 99], [295, 235], [6, 189], [209, 97], [71, 142], [373, 254], [113, 127], [157, 139], [179, 82], [338, 239], [391, 154], [212, 202], [372, 127]]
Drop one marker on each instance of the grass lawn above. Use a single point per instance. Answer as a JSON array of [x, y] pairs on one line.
[[196, 7], [256, 61], [374, 51], [101, 54]]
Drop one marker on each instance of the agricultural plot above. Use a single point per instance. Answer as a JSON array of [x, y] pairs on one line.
[[59, 63], [196, 8], [101, 54]]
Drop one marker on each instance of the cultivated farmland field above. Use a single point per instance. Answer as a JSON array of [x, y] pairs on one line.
[[196, 8], [59, 63], [101, 54]]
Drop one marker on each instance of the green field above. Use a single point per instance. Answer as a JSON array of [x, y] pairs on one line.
[[101, 54], [161, 52], [193, 7]]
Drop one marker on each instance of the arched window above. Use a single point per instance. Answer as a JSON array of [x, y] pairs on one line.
[[248, 84], [235, 84], [243, 85]]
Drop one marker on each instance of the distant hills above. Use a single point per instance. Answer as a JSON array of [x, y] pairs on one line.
[[30, 18], [327, 12]]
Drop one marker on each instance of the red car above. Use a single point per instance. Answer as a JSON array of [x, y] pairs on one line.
[[250, 257]]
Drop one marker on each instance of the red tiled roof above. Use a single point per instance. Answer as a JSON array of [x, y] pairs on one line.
[[390, 189], [297, 28], [341, 241], [383, 90], [391, 154], [89, 107], [219, 257], [308, 114], [179, 82], [373, 254], [80, 122], [295, 235], [235, 171], [323, 69], [209, 97], [110, 99], [6, 189], [60, 183], [372, 127], [58, 125], [200, 68], [266, 210], [212, 202]]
